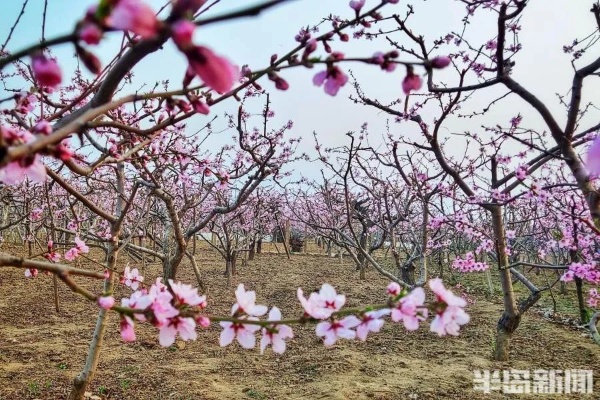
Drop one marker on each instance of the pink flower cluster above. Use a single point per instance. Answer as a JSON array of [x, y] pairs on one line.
[[163, 307], [585, 271], [333, 78], [247, 309], [52, 255], [175, 309], [449, 312], [30, 167], [216, 71], [134, 16], [468, 264], [46, 71], [74, 252], [521, 172]]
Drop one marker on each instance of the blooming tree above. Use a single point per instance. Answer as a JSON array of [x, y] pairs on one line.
[[119, 164]]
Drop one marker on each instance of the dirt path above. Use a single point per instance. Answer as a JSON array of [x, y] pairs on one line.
[[41, 351]]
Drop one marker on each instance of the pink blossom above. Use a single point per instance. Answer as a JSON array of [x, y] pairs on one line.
[[46, 71], [244, 333], [370, 322], [329, 299], [593, 157], [246, 302], [357, 4], [81, 246], [63, 152], [134, 16], [132, 278], [449, 321], [43, 127], [321, 305], [223, 181], [411, 82], [449, 310], [186, 294], [162, 309], [24, 102], [17, 171], [440, 62], [127, 332], [331, 331], [468, 263], [31, 273], [138, 301], [393, 289], [585, 271], [215, 71], [491, 45], [281, 84], [106, 302], [275, 335], [521, 172], [203, 321], [410, 309], [71, 254], [182, 33], [36, 214], [90, 33], [333, 78], [444, 295], [311, 306], [200, 107], [186, 327], [53, 256]]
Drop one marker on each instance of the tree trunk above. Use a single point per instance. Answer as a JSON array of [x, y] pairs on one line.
[[504, 330], [234, 258], [583, 315], [424, 240], [511, 317], [82, 381], [228, 269], [252, 250], [361, 264], [408, 272]]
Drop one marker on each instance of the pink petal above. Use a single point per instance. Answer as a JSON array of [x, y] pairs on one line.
[[166, 336], [279, 345], [246, 338], [227, 334], [319, 78]]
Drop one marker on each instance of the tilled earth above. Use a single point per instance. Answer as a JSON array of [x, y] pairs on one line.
[[41, 351]]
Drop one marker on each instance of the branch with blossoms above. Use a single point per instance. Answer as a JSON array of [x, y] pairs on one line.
[[177, 308], [217, 73]]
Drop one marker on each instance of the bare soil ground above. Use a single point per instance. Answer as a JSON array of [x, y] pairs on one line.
[[41, 350]]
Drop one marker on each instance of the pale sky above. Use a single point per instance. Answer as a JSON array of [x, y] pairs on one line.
[[542, 67]]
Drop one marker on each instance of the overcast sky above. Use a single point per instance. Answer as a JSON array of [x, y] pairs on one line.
[[542, 66]]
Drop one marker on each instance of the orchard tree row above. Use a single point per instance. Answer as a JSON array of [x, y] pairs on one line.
[[91, 162]]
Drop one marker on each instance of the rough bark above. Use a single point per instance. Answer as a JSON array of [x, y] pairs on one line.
[[511, 317], [82, 381]]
